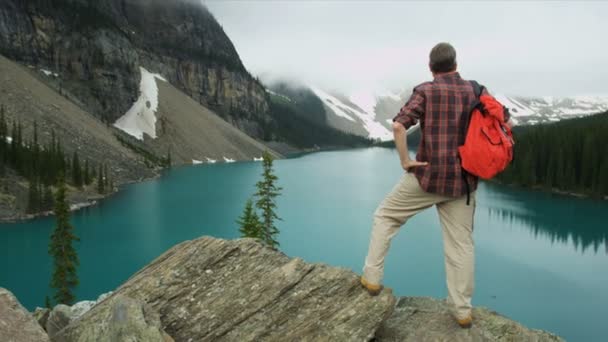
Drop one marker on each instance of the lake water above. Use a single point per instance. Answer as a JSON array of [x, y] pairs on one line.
[[542, 259]]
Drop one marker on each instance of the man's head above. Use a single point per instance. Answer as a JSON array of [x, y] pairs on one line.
[[442, 59]]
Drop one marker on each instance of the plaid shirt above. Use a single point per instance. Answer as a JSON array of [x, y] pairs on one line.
[[439, 106]]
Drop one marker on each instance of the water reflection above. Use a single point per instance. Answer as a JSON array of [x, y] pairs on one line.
[[556, 219]]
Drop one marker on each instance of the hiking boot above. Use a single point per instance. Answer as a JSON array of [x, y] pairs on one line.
[[466, 322], [372, 289]]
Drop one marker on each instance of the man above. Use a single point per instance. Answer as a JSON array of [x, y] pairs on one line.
[[434, 178]]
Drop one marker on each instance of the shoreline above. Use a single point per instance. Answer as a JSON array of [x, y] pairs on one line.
[[552, 191], [96, 200]]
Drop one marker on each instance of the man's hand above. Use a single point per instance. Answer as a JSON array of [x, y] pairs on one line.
[[409, 164]]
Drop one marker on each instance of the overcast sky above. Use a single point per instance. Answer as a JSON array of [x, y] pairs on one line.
[[522, 48]]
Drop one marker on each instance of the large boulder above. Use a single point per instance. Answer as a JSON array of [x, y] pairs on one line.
[[119, 319], [16, 323], [59, 318], [217, 290], [427, 319]]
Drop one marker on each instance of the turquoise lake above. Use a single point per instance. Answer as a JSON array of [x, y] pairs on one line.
[[541, 259]]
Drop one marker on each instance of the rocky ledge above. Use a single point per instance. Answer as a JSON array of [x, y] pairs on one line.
[[217, 290]]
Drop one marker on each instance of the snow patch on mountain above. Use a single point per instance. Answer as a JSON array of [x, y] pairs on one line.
[[360, 110], [141, 117], [535, 110], [279, 95], [333, 103]]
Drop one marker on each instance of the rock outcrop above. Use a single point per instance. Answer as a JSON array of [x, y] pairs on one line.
[[426, 319], [119, 319], [16, 323], [217, 290]]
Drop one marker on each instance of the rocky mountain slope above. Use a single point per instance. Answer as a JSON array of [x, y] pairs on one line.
[[189, 131], [370, 113], [217, 290], [95, 49], [26, 99]]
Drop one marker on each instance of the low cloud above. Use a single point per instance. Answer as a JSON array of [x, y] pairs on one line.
[[549, 48]]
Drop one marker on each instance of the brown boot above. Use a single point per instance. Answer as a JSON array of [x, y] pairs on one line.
[[372, 289], [466, 322]]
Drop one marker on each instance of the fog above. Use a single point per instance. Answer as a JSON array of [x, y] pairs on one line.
[[523, 48]]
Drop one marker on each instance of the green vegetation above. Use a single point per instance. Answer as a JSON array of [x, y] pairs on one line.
[[570, 156], [40, 164], [150, 159], [267, 190], [65, 258], [299, 125], [266, 194], [249, 223]]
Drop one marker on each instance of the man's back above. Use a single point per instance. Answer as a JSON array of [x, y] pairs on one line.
[[440, 106]]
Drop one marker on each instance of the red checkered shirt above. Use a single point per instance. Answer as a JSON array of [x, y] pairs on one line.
[[439, 107]]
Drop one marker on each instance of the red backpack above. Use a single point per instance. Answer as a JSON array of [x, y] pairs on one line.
[[488, 146]]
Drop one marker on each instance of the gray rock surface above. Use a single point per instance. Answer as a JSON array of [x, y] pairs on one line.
[[426, 319], [59, 318], [118, 319], [16, 323], [41, 315], [217, 290]]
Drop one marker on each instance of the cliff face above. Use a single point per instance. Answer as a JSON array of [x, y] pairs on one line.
[[97, 47]]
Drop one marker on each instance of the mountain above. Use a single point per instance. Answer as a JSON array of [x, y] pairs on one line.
[[27, 100], [300, 118], [536, 110], [361, 115], [370, 113], [123, 85], [93, 52]]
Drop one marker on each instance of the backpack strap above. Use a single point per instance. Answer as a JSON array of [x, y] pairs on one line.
[[477, 89]]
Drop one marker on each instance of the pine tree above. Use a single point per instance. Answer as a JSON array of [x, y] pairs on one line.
[[106, 179], [249, 223], [87, 173], [100, 181], [33, 203], [47, 302], [47, 200], [65, 258], [76, 171], [266, 194]]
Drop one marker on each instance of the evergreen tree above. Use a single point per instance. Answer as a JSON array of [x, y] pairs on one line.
[[87, 173], [33, 203], [169, 159], [47, 302], [568, 155], [61, 248], [47, 199], [100, 181], [249, 223], [266, 194], [76, 171], [106, 178]]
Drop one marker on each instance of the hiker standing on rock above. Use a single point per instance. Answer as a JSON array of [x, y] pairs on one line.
[[435, 177]]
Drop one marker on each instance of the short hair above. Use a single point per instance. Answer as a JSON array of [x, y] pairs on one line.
[[442, 58]]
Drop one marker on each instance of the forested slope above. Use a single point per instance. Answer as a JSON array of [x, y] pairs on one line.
[[570, 156]]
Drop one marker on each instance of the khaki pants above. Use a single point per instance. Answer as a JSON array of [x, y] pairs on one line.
[[407, 199]]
